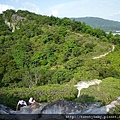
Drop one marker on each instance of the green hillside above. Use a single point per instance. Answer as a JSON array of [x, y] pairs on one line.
[[44, 57], [104, 24]]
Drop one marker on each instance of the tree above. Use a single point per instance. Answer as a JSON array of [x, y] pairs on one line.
[[18, 54], [8, 13], [61, 76], [66, 21], [116, 39], [31, 77], [73, 63], [76, 26], [109, 35]]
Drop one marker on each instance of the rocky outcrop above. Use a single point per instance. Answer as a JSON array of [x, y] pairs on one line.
[[57, 110], [5, 110], [103, 109], [12, 26], [14, 20], [16, 17], [57, 107]]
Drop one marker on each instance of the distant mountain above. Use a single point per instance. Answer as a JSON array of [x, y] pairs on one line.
[[106, 25]]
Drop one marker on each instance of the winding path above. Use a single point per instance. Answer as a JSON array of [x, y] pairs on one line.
[[100, 56], [85, 84]]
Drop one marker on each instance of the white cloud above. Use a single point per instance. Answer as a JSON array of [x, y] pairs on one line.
[[82, 8], [115, 16], [116, 13], [73, 8], [4, 7], [31, 7], [54, 12], [14, 0]]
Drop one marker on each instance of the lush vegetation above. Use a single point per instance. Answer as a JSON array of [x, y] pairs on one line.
[[105, 92], [44, 57], [106, 25], [46, 93]]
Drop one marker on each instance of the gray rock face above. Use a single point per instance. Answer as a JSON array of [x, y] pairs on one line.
[[63, 107], [56, 110], [5, 110], [59, 108], [16, 17]]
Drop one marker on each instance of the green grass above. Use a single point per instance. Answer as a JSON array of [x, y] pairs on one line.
[[107, 91]]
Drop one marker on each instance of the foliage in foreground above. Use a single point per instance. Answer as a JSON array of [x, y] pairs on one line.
[[47, 93]]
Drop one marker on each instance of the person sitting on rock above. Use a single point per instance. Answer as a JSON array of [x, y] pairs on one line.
[[21, 103], [31, 101]]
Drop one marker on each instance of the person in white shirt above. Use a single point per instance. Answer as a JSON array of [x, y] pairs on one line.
[[31, 101], [21, 103]]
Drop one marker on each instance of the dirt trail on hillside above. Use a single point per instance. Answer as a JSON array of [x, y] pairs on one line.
[[100, 56], [85, 84]]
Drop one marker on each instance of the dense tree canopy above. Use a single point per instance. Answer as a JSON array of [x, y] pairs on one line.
[[47, 42]]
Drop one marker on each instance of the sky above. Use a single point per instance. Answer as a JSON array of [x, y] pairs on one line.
[[107, 9]]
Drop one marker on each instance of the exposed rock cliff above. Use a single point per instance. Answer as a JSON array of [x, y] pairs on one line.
[[59, 108], [14, 20]]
